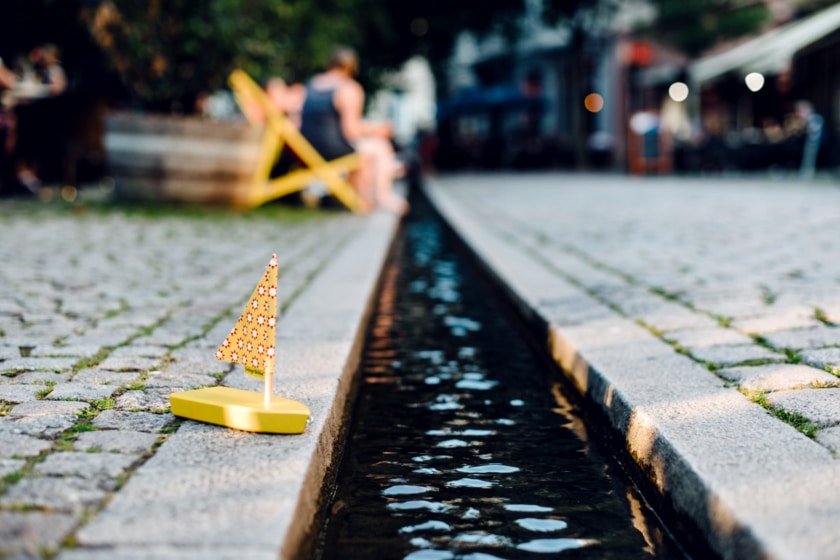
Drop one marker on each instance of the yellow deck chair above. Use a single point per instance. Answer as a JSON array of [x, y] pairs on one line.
[[280, 133]]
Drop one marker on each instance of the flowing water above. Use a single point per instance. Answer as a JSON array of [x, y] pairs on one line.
[[463, 443]]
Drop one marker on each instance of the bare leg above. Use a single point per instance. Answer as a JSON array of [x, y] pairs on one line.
[[362, 180], [384, 169]]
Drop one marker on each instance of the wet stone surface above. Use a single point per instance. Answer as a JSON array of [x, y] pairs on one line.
[[463, 445]]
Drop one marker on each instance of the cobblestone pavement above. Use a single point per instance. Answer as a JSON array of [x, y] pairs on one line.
[[103, 313], [740, 276]]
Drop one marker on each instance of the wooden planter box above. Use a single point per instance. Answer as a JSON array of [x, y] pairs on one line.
[[181, 159]]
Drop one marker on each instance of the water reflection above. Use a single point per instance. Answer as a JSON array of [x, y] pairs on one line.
[[466, 433], [403, 489], [470, 483], [427, 526], [515, 465], [493, 468], [430, 555], [527, 508], [434, 507], [453, 443], [553, 545], [475, 384], [481, 539], [541, 525]]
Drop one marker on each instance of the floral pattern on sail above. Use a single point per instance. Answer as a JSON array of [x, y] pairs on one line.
[[251, 341]]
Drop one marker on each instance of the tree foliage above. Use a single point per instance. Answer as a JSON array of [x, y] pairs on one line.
[[167, 52], [394, 30], [695, 26]]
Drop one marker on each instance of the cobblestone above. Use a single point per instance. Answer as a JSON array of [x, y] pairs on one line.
[[85, 465], [151, 399], [20, 393], [777, 322], [19, 445], [8, 466], [140, 350], [729, 355], [134, 421], [820, 406], [76, 351], [822, 358], [37, 364], [777, 377], [42, 418], [79, 391], [830, 437], [106, 377], [130, 363], [799, 339], [39, 377], [197, 367], [67, 494], [706, 337], [178, 379], [101, 339], [29, 534], [122, 441]]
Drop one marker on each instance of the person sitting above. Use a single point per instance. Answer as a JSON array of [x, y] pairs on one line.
[[39, 119], [7, 82], [331, 120], [287, 98]]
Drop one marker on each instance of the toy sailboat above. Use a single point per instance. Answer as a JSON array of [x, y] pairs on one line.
[[250, 343]]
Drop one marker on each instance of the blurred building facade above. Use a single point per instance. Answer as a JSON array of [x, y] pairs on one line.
[[554, 99], [777, 94], [407, 100]]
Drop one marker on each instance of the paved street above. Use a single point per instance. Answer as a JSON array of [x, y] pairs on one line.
[[701, 317], [104, 313]]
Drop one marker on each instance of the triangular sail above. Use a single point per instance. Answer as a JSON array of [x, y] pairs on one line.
[[251, 341]]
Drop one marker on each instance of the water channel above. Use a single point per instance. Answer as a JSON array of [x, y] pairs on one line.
[[465, 442]]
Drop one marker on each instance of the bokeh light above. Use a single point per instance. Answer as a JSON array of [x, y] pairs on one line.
[[678, 92], [754, 81], [593, 102]]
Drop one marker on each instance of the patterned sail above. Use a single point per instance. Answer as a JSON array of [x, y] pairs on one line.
[[251, 342]]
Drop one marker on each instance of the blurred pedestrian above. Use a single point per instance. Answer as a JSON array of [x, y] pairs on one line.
[[7, 82], [812, 130], [332, 121], [39, 122], [49, 70]]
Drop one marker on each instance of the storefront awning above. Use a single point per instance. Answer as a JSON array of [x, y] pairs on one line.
[[770, 53]]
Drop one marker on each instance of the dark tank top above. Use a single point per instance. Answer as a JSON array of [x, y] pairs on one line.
[[321, 124]]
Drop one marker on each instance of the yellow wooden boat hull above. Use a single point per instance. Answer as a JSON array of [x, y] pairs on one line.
[[240, 410]]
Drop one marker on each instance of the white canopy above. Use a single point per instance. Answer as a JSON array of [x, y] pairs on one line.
[[770, 53]]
